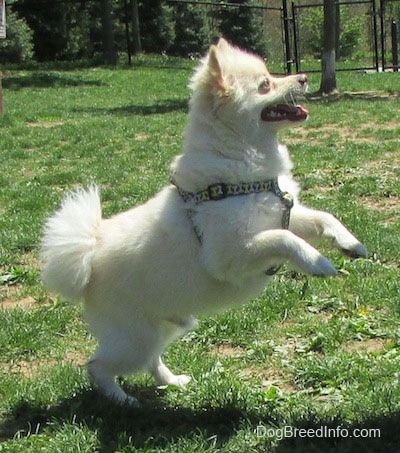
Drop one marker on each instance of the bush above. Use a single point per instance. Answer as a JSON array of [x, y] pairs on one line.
[[312, 29], [350, 34], [18, 46]]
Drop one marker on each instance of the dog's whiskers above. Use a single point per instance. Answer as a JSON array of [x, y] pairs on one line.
[[290, 99]]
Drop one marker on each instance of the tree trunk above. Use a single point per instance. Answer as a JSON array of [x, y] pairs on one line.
[[137, 44], [328, 80], [109, 53]]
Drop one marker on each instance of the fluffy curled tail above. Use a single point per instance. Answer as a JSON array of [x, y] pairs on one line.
[[69, 242]]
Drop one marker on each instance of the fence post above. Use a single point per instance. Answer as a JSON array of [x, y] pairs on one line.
[[295, 37], [375, 27], [286, 20], [395, 48], [383, 50]]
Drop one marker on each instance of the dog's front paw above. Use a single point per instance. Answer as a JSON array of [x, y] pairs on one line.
[[324, 268], [310, 261], [356, 250]]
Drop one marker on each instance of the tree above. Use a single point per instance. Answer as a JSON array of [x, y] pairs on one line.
[[328, 79], [156, 26], [137, 43], [109, 52], [242, 25], [191, 30]]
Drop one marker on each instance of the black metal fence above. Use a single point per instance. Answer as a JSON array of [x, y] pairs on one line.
[[284, 28], [382, 31]]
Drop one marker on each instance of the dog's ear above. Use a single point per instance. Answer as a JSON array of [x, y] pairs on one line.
[[222, 44], [214, 67]]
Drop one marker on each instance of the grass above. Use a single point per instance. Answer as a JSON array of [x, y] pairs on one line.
[[307, 353]]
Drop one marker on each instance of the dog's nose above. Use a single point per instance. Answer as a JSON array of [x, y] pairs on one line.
[[302, 78]]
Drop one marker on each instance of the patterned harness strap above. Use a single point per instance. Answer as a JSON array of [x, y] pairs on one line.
[[220, 191]]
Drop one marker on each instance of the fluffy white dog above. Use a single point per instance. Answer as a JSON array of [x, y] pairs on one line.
[[209, 240]]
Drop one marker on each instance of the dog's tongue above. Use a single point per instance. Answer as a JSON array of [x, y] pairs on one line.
[[301, 110], [292, 110], [285, 112]]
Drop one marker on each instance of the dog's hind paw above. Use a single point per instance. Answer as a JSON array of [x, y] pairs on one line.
[[182, 380], [179, 381], [164, 376], [129, 401]]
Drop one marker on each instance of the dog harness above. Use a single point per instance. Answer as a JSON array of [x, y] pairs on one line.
[[220, 191]]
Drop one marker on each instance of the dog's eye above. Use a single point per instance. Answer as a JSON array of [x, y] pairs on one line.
[[264, 86]]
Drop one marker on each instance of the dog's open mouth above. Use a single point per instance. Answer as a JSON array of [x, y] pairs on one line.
[[281, 112]]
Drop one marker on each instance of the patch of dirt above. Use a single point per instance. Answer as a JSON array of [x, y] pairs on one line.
[[370, 345], [385, 169], [31, 368], [227, 350], [342, 134], [271, 377], [386, 204], [140, 137], [386, 166], [363, 95], [45, 124], [26, 303]]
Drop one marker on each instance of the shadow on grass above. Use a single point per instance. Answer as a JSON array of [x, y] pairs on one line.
[[374, 435], [163, 106], [153, 424], [45, 80], [157, 427], [350, 95]]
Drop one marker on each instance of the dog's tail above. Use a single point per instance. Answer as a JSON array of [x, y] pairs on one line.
[[69, 242]]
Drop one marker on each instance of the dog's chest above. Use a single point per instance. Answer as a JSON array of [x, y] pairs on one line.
[[239, 216]]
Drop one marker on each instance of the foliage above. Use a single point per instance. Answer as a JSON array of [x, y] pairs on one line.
[[241, 25], [75, 30], [55, 29], [72, 30], [312, 22], [156, 26], [18, 46], [193, 39], [351, 31]]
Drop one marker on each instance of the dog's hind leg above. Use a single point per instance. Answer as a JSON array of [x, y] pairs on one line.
[[169, 331], [103, 377], [123, 349]]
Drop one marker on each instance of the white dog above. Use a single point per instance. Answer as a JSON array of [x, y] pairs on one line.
[[209, 240]]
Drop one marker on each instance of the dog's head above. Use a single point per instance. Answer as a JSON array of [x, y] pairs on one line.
[[235, 87]]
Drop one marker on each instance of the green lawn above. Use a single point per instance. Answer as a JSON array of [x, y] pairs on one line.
[[309, 354]]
